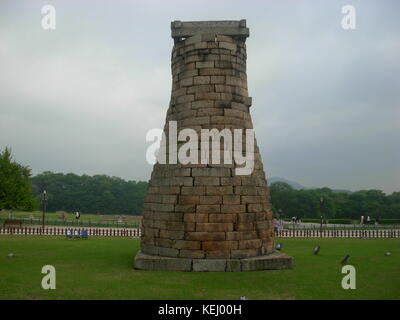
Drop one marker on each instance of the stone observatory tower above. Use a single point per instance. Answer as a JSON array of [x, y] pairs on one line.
[[207, 206]]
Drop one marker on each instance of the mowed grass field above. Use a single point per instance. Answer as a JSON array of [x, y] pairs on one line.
[[101, 268], [70, 216]]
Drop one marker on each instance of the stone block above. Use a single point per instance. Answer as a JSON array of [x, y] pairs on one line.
[[200, 104], [207, 96], [218, 254], [210, 199], [219, 245], [194, 254], [205, 236], [170, 234], [241, 235], [148, 262], [149, 249], [223, 88], [208, 208], [211, 172], [168, 252], [244, 226], [186, 82], [233, 208], [196, 190], [183, 75], [223, 65], [186, 244], [204, 64], [233, 265], [189, 199], [243, 253], [200, 89], [196, 217], [245, 190], [209, 112], [201, 80], [175, 226], [250, 244], [251, 199], [218, 190], [228, 45], [170, 216], [216, 71], [255, 207], [213, 265], [206, 181], [225, 217], [217, 79], [230, 199], [231, 181], [185, 98], [214, 227]]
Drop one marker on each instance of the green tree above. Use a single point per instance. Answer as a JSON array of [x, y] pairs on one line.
[[15, 187], [90, 194]]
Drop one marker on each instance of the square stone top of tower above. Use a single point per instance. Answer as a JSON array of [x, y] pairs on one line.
[[184, 29]]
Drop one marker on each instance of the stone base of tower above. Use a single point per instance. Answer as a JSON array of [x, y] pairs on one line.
[[273, 261]]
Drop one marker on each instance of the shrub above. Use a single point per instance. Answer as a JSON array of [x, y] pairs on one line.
[[390, 221]]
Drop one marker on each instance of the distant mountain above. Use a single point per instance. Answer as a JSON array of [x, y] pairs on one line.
[[297, 186]]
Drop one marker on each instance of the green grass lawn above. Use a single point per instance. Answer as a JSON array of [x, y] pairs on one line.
[[86, 220], [101, 268], [69, 217]]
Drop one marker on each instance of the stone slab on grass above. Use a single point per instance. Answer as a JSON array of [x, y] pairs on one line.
[[274, 261]]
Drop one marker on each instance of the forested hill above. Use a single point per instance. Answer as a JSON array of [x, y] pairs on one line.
[[111, 195], [89, 194]]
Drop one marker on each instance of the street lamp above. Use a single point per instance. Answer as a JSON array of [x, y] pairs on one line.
[[44, 202], [280, 225], [321, 200]]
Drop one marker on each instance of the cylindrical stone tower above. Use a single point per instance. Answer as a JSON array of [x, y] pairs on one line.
[[201, 213]]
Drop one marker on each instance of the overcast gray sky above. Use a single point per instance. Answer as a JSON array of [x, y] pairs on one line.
[[326, 101]]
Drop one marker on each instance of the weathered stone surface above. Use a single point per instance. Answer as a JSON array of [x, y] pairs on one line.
[[207, 30], [273, 261], [148, 262], [233, 265], [204, 236], [209, 265], [203, 216]]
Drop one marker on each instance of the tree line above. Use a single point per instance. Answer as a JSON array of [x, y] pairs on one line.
[[98, 194], [314, 203], [103, 194]]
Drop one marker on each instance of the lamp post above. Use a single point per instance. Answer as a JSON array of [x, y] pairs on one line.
[[44, 202], [280, 212], [321, 200]]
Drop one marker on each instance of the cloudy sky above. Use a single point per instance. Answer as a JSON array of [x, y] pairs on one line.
[[326, 101]]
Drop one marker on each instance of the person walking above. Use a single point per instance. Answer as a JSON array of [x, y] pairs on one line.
[[275, 225], [368, 219], [362, 220]]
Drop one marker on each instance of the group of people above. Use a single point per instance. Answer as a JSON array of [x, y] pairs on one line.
[[367, 220], [296, 219], [76, 214]]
